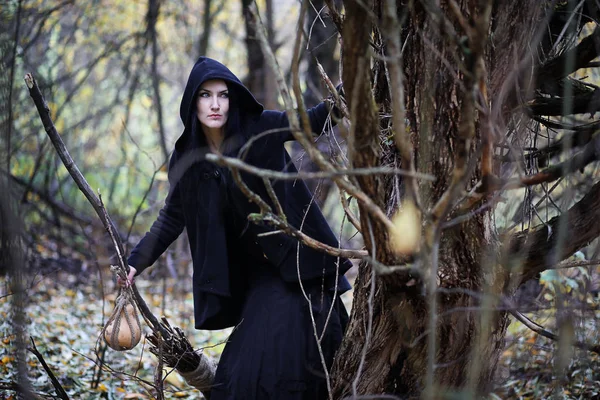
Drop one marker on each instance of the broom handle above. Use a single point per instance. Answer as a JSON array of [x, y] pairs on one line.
[[95, 201]]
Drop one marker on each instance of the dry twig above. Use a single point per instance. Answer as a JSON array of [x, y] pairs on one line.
[[96, 202], [60, 391]]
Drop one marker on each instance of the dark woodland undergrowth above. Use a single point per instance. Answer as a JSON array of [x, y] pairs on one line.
[[66, 312]]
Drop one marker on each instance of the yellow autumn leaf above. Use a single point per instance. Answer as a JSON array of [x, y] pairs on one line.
[[6, 359], [102, 388]]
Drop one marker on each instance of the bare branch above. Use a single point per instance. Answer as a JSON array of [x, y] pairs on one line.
[[581, 135], [392, 28], [579, 161], [19, 389], [538, 246], [62, 209], [64, 155], [10, 86], [554, 106], [466, 128], [302, 137], [340, 103], [335, 173], [266, 215], [575, 264], [540, 330], [57, 386], [579, 56], [353, 220], [336, 17]]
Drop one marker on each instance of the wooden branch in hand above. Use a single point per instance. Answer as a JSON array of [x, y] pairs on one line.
[[59, 145], [63, 153], [96, 201]]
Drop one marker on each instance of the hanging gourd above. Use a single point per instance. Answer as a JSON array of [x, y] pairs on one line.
[[123, 330]]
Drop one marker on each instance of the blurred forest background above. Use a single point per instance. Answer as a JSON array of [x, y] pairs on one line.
[[113, 72]]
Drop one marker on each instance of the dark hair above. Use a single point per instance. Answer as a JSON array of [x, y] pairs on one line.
[[235, 134]]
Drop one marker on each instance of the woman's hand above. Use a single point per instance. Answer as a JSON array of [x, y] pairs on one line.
[[130, 278]]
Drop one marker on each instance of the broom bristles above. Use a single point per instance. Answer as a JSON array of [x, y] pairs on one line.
[[176, 352]]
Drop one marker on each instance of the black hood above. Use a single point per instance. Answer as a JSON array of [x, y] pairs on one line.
[[206, 69]]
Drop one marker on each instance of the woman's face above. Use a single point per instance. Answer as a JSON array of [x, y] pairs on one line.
[[212, 104]]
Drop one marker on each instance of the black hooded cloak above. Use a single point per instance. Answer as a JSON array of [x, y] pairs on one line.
[[195, 201], [242, 277]]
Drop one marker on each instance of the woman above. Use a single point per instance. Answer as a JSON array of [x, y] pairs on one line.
[[246, 275]]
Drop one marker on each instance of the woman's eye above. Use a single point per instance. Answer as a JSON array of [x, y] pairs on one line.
[[204, 94], [225, 95]]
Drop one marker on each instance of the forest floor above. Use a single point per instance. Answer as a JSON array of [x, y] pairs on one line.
[[65, 317]]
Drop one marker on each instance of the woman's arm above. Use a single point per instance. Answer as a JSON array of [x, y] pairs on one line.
[[167, 227], [317, 117]]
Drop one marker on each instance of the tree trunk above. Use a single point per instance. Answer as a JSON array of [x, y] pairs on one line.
[[151, 20], [207, 19], [387, 346], [260, 79]]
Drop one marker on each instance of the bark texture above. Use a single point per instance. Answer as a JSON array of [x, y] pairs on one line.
[[394, 322]]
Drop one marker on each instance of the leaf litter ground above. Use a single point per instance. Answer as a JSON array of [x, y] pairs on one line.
[[65, 318]]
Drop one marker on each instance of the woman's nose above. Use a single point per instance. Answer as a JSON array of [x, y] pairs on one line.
[[215, 104]]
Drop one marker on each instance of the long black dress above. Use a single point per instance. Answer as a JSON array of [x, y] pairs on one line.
[[246, 275], [272, 353]]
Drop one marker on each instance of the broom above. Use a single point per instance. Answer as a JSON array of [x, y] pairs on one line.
[[166, 342]]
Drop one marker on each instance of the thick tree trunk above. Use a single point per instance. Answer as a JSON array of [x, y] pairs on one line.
[[387, 346]]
